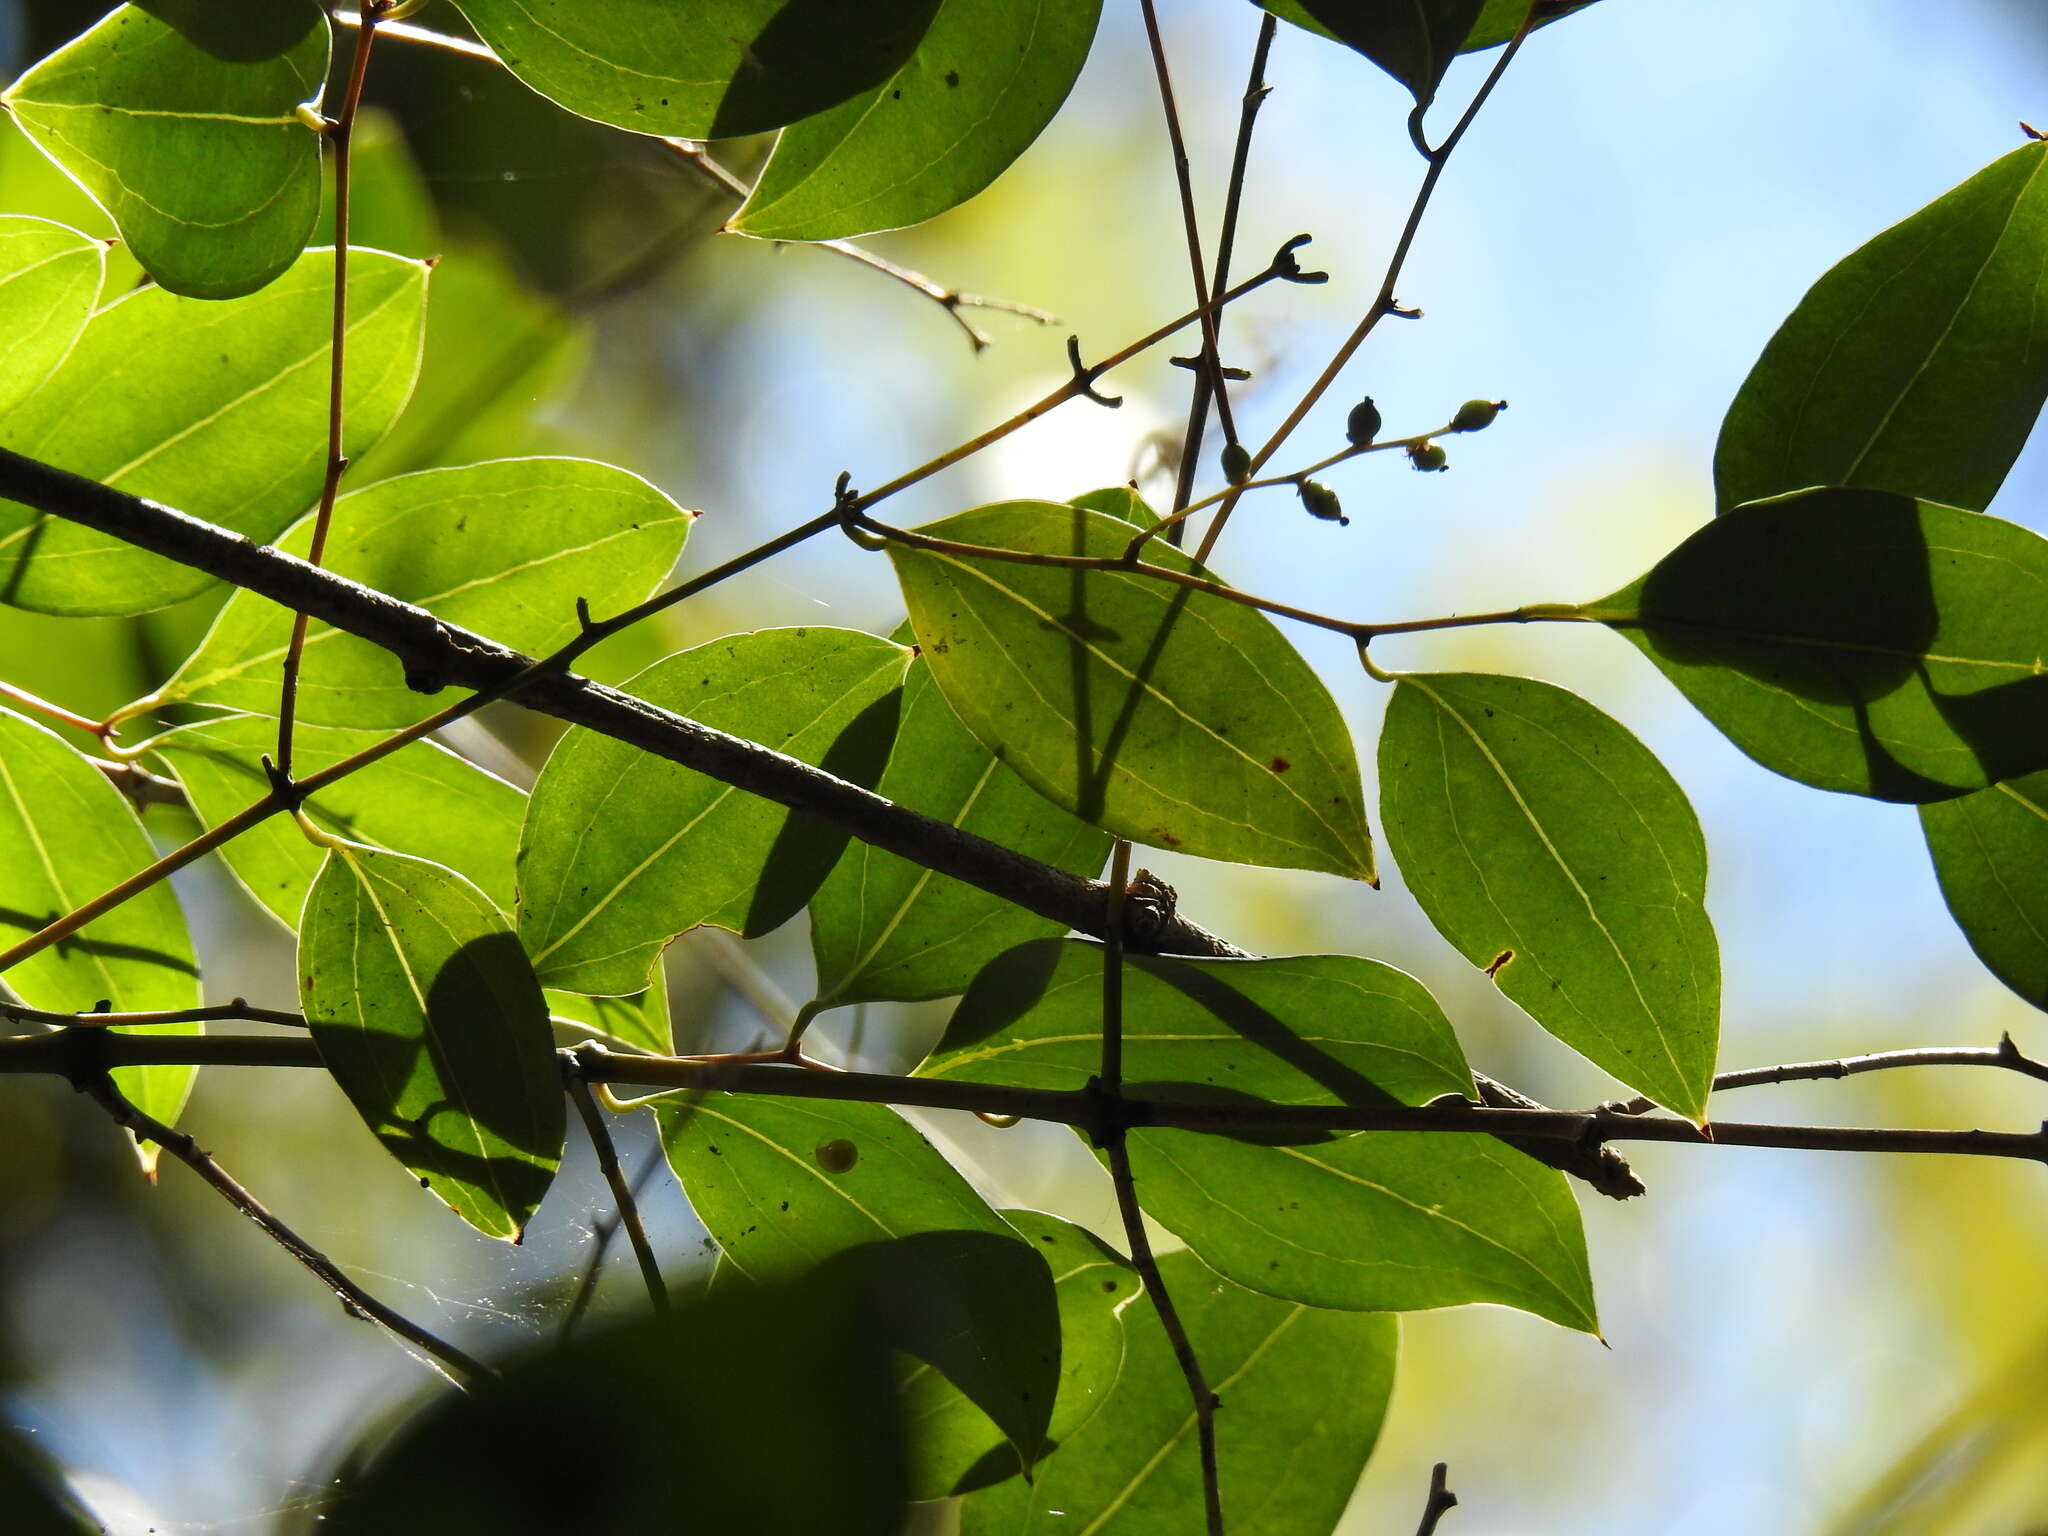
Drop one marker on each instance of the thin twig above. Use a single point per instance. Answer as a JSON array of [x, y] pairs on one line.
[[2004, 1054], [1110, 1132], [622, 1192], [1441, 1501], [1255, 93], [23, 699], [340, 130], [1209, 365], [59, 1053], [16, 1013], [602, 1234], [1383, 302], [457, 1366]]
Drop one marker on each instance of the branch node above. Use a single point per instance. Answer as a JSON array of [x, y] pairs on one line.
[[1194, 365], [283, 787], [584, 621], [1287, 269], [1085, 377]]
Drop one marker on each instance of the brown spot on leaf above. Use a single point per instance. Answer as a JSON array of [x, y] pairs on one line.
[[1500, 960], [1280, 765]]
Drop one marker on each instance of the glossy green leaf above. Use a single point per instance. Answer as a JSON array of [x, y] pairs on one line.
[[1414, 41], [50, 280], [1553, 849], [1380, 1221], [640, 1021], [1497, 21], [503, 548], [1856, 640], [422, 800], [784, 1185], [1169, 716], [885, 928], [983, 83], [767, 1409], [425, 1010], [954, 1447], [1990, 850], [219, 410], [66, 836], [1304, 1394], [181, 121], [1916, 365], [622, 850], [714, 69]]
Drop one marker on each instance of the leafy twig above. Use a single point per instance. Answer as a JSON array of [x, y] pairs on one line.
[[16, 1013], [457, 1366], [2005, 1054], [622, 1192]]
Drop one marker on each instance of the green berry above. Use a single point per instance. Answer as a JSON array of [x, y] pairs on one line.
[[1237, 463], [1322, 502], [1428, 457], [1477, 415], [1363, 424]]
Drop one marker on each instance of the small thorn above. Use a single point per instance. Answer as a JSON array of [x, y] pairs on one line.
[[1086, 376], [1287, 268], [583, 618]]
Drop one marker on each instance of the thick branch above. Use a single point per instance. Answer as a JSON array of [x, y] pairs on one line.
[[436, 655]]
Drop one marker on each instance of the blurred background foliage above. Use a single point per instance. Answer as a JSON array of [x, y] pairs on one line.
[[1800, 1344]]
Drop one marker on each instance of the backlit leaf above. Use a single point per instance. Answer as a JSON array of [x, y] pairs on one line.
[[713, 69], [422, 800], [503, 548], [1304, 1392], [1497, 22], [66, 836], [984, 81], [1172, 717], [1856, 640], [640, 1021], [219, 410], [1374, 1220], [885, 928], [50, 280], [1917, 365], [1991, 851], [181, 121], [1553, 849], [425, 1010], [1414, 41], [784, 1185], [622, 850], [954, 1447]]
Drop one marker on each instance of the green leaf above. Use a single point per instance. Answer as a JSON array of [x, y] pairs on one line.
[[1916, 365], [714, 69], [421, 800], [1304, 1393], [219, 410], [66, 836], [503, 548], [1856, 640], [1376, 1220], [427, 1014], [50, 280], [186, 131], [622, 850], [1119, 501], [954, 1447], [1552, 848], [1414, 41], [688, 1420], [1497, 22], [640, 1021], [884, 928], [783, 1186], [1172, 717], [1990, 851], [982, 85]]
